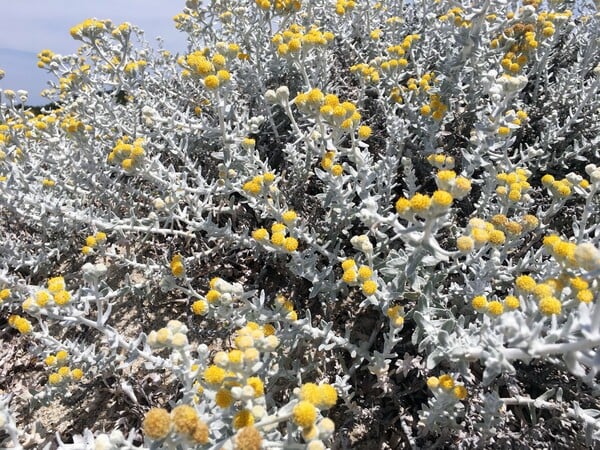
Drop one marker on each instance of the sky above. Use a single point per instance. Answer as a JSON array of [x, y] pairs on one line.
[[27, 27]]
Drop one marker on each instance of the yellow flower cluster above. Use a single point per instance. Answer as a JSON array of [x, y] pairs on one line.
[[435, 108], [513, 228], [291, 41], [135, 66], [212, 69], [364, 276], [92, 241], [72, 125], [22, 325], [127, 153], [63, 373], [4, 294], [248, 438], [286, 306], [327, 163], [396, 57], [55, 293], [340, 115], [280, 6], [344, 6], [184, 420], [220, 292], [441, 161], [231, 376], [367, 72], [177, 266], [546, 293], [513, 185], [257, 184], [455, 16], [278, 233], [446, 384], [457, 186], [89, 27], [173, 335], [423, 205], [313, 398], [122, 30], [558, 188], [570, 255], [495, 307], [394, 313], [478, 233], [44, 58]]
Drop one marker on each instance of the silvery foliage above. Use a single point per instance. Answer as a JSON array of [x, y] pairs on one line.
[[189, 189]]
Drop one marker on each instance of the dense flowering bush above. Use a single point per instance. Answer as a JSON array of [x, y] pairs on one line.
[[327, 224]]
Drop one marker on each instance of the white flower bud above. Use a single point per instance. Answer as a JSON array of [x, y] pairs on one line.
[[102, 442], [236, 392], [247, 393], [271, 96], [587, 256], [22, 95], [259, 412], [179, 340], [363, 244], [283, 93]]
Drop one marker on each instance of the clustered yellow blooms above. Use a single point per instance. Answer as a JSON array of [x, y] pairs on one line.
[[55, 293], [513, 185], [570, 255], [278, 233], [495, 308], [280, 6], [546, 293], [561, 188], [213, 70], [521, 39], [286, 306], [394, 313], [512, 120], [455, 15], [445, 384], [441, 161], [232, 378], [314, 398], [173, 335], [291, 41], [135, 66], [343, 116], [435, 108], [127, 153], [364, 276], [89, 27], [344, 6], [4, 294], [72, 125], [63, 373], [183, 420], [21, 324], [44, 58], [396, 56], [92, 241], [257, 184], [220, 292], [327, 163], [367, 72], [177, 266]]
